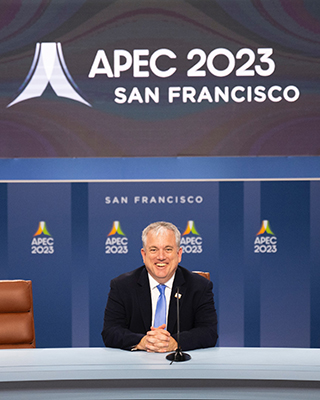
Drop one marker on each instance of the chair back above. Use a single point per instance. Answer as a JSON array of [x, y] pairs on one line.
[[204, 274], [16, 315]]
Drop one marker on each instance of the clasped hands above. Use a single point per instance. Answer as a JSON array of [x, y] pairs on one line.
[[157, 340]]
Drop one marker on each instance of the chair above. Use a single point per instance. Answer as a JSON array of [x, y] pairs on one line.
[[16, 315], [204, 274]]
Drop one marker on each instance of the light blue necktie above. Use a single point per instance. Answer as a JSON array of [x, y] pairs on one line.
[[161, 314]]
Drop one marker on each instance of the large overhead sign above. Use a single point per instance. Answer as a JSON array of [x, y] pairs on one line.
[[173, 78]]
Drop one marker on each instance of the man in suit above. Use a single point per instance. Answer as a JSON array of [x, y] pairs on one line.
[[139, 298]]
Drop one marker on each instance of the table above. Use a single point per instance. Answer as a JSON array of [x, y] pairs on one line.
[[216, 373]]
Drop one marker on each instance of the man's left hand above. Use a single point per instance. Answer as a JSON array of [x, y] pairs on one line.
[[159, 340]]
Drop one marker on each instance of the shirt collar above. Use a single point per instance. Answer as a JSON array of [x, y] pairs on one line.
[[153, 283]]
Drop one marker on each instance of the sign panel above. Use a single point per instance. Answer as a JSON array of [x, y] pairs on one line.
[[172, 78]]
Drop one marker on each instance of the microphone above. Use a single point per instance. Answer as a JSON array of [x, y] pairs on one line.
[[178, 355]]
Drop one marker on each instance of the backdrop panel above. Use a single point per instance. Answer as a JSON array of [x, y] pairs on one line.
[[39, 248], [258, 239]]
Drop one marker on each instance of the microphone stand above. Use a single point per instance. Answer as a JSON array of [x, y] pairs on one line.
[[178, 355]]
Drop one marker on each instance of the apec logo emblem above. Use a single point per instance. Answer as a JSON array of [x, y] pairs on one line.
[[193, 242], [117, 242], [42, 242], [266, 241], [49, 67]]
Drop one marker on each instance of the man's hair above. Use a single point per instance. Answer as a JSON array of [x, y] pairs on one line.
[[158, 227]]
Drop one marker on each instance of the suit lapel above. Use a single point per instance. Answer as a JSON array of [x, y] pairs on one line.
[[144, 298], [178, 282]]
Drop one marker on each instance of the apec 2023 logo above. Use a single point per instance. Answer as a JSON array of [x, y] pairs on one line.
[[265, 241], [116, 242], [49, 67], [42, 242]]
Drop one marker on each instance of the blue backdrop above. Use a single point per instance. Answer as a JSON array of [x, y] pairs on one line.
[[265, 281]]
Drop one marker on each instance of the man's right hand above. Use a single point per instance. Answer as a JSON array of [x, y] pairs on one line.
[[157, 340]]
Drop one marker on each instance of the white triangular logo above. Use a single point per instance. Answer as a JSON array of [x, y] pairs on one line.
[[49, 67]]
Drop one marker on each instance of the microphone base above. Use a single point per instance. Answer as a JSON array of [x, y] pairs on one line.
[[178, 356]]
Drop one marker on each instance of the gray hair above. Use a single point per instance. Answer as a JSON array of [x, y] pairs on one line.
[[158, 227]]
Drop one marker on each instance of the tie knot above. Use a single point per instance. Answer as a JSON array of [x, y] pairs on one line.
[[161, 288]]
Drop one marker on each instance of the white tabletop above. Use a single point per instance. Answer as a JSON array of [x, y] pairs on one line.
[[105, 364]]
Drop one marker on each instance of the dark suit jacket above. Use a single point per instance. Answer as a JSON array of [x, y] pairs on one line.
[[128, 312]]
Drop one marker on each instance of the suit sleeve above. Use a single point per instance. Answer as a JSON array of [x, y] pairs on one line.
[[202, 332], [115, 331]]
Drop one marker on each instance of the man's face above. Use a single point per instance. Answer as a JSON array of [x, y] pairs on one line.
[[161, 256]]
